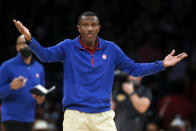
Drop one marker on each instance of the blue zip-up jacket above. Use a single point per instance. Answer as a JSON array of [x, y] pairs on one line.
[[88, 75], [19, 105]]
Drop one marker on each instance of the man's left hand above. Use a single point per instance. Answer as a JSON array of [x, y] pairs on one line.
[[171, 60]]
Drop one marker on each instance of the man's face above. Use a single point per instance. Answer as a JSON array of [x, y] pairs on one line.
[[22, 47], [89, 28]]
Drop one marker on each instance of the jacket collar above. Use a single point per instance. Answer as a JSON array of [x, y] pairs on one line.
[[19, 58], [80, 44]]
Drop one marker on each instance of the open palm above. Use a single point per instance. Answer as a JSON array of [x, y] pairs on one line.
[[22, 29], [171, 60]]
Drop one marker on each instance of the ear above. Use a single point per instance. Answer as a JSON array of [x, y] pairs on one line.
[[78, 27], [17, 48]]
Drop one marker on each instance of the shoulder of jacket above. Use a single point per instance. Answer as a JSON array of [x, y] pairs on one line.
[[68, 42], [108, 43], [8, 62]]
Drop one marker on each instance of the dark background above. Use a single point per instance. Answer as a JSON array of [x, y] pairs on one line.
[[146, 30]]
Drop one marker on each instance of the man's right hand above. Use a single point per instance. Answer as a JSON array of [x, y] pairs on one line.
[[18, 83], [22, 29]]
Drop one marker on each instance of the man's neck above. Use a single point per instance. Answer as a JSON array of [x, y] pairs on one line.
[[90, 45]]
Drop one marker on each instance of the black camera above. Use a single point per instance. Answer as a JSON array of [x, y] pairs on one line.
[[119, 78]]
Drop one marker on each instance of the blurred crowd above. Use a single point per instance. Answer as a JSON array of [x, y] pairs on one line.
[[146, 30]]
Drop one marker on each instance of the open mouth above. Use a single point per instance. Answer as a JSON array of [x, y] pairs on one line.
[[89, 35]]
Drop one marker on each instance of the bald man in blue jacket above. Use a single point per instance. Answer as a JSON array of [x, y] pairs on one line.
[[17, 76]]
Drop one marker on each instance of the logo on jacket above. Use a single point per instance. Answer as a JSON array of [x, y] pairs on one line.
[[120, 97], [104, 56], [37, 75]]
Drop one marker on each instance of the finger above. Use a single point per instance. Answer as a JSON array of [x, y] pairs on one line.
[[14, 21], [181, 58], [18, 26], [178, 56], [24, 80], [181, 54], [18, 23], [20, 78], [23, 29], [173, 52]]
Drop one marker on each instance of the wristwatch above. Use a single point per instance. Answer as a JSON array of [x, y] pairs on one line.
[[28, 42]]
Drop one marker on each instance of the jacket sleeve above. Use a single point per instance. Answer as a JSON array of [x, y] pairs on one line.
[[51, 54], [5, 88], [126, 64]]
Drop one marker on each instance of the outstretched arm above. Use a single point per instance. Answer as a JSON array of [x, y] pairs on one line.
[[143, 69], [51, 54], [126, 64]]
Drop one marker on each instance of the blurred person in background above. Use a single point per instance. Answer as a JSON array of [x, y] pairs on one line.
[[177, 124], [89, 64], [175, 103], [17, 76], [130, 102]]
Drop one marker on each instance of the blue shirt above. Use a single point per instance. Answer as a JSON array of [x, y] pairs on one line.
[[19, 105], [88, 75]]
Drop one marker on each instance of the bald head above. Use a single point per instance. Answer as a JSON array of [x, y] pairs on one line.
[[22, 47], [20, 40]]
